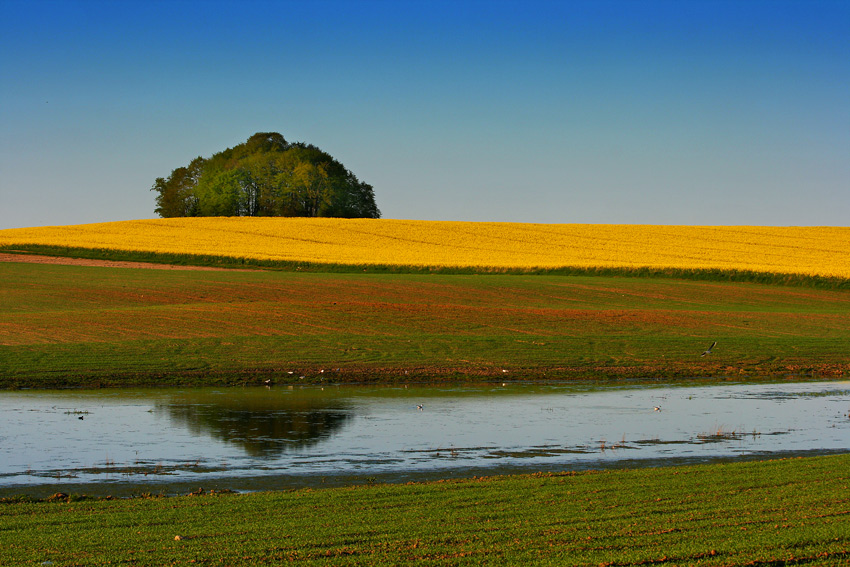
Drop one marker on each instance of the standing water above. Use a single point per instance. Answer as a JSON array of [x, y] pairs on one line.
[[124, 442]]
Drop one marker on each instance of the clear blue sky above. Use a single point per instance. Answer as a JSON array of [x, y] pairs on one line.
[[658, 112]]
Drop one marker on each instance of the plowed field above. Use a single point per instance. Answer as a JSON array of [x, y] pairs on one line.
[[72, 325]]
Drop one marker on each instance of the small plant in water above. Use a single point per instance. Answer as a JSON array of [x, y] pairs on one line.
[[620, 444], [719, 435], [77, 412]]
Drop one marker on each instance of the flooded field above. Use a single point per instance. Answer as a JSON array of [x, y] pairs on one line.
[[131, 442]]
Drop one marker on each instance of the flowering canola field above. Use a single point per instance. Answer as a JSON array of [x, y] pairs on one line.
[[814, 251]]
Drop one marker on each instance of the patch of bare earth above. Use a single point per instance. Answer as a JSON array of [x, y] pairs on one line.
[[59, 260]]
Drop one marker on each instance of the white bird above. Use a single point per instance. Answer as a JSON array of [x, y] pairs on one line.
[[708, 350]]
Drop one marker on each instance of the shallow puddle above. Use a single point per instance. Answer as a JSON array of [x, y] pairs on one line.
[[130, 442]]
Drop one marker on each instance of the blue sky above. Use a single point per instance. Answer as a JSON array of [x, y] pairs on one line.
[[656, 112]]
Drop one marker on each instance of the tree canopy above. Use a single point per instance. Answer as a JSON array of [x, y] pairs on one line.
[[265, 176]]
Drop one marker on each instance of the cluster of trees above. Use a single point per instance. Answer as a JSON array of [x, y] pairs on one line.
[[265, 176]]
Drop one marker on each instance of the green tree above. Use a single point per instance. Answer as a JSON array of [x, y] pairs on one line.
[[177, 192], [265, 176], [220, 194]]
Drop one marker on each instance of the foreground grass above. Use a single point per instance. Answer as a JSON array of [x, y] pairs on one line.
[[85, 326], [787, 512]]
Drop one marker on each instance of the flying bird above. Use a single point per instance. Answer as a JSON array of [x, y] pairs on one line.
[[708, 350]]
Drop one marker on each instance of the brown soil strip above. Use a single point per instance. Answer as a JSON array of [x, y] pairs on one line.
[[37, 259]]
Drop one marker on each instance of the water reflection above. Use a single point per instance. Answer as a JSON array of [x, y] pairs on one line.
[[264, 424], [257, 438]]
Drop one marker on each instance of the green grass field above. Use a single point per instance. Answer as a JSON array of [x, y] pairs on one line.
[[787, 512], [66, 326], [87, 326]]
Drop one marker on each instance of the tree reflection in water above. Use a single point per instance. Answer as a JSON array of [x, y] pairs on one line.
[[265, 423]]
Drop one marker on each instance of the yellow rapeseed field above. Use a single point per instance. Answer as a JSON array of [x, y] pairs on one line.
[[821, 251]]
